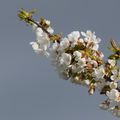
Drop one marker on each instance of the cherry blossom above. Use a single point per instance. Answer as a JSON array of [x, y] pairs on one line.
[[77, 58]]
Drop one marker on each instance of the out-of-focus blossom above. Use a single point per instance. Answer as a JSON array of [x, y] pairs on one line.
[[104, 105], [113, 85], [113, 94], [111, 62], [115, 111]]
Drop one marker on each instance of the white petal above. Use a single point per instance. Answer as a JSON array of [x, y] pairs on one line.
[[50, 30], [47, 22], [34, 27], [35, 46], [54, 46], [64, 44], [39, 32], [95, 47], [83, 34], [113, 94], [65, 59], [73, 36], [111, 62]]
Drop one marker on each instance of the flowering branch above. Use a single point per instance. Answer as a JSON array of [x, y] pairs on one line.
[[77, 58], [27, 17]]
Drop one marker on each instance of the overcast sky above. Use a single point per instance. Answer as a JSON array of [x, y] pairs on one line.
[[30, 88]]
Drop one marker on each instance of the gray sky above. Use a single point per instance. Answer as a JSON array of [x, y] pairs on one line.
[[30, 88]]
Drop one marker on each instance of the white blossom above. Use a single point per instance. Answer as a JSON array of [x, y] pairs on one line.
[[39, 33], [35, 46], [111, 62], [81, 62], [81, 40], [93, 62], [115, 111], [87, 82], [55, 46], [42, 43], [101, 55], [34, 27], [37, 49], [91, 38], [74, 36], [77, 55], [64, 43], [95, 46], [65, 59], [50, 30], [78, 65], [99, 72], [116, 75], [104, 105], [47, 22], [113, 94]]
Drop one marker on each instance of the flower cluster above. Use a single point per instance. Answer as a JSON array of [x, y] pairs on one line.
[[77, 58], [42, 40]]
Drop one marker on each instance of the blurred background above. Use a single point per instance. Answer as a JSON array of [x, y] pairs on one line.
[[30, 88]]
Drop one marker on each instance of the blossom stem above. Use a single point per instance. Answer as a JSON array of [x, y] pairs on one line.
[[40, 27]]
